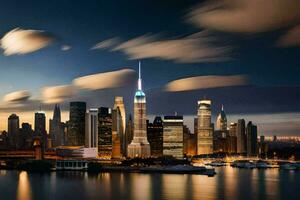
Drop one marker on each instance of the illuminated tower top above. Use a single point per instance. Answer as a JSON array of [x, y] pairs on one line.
[[139, 92]]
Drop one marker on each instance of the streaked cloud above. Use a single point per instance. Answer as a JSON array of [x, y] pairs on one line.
[[65, 47], [244, 16], [17, 96], [113, 79], [19, 41], [194, 48], [204, 82], [106, 43], [57, 94], [291, 38]]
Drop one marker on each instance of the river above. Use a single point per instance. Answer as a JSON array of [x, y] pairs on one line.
[[229, 183]]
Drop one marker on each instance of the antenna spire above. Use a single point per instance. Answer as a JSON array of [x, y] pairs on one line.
[[140, 77], [222, 107]]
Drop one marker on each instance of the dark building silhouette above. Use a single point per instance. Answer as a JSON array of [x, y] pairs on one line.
[[13, 131], [232, 138], [189, 142], [27, 136], [155, 136], [76, 124], [251, 139], [241, 137], [3, 140], [56, 128], [40, 128], [104, 132], [128, 132], [221, 141]]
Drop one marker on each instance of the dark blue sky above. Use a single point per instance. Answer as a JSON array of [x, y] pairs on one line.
[[273, 71]]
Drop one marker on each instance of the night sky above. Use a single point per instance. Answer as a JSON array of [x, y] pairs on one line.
[[262, 48]]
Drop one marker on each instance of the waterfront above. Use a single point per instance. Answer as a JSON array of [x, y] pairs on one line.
[[229, 183]]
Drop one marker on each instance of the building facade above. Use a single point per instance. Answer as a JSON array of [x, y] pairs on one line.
[[173, 136], [251, 139], [104, 132], [121, 122], [91, 129], [205, 129], [117, 133]]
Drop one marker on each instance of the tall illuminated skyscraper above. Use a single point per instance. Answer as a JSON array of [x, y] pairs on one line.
[[104, 132], [121, 115], [139, 147], [205, 129], [117, 132]]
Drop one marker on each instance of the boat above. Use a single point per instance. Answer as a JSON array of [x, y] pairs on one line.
[[71, 165], [217, 163], [288, 166]]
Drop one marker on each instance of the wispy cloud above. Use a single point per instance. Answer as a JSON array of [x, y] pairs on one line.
[[109, 43], [204, 82], [57, 94], [190, 49], [17, 96], [291, 38], [19, 41], [246, 16], [119, 78], [65, 47]]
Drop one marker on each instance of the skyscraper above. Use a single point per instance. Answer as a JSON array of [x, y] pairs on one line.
[[241, 137], [139, 147], [119, 104], [173, 136], [251, 139], [104, 132], [221, 123], [40, 128], [56, 128], [76, 124], [117, 132], [13, 131], [155, 136], [91, 129], [205, 129], [232, 138]]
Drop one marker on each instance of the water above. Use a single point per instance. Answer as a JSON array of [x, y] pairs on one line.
[[229, 183]]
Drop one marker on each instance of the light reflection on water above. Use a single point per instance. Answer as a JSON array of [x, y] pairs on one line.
[[24, 190], [229, 183]]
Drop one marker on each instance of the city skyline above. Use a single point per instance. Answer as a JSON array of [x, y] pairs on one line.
[[228, 65]]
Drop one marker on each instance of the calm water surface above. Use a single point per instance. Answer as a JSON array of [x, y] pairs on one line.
[[229, 183]]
